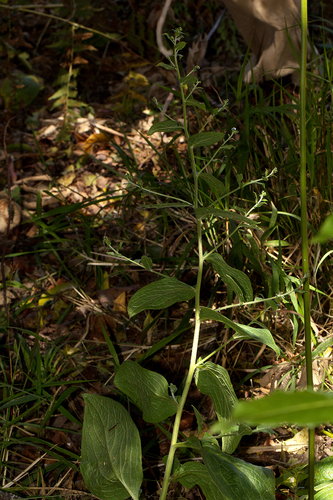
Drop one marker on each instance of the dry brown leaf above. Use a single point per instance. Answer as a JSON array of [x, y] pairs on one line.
[[120, 303]]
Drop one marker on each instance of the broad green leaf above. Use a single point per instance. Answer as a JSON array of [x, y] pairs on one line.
[[215, 184], [236, 479], [197, 104], [194, 473], [205, 139], [165, 126], [325, 494], [147, 389], [111, 450], [262, 335], [214, 380], [202, 213], [323, 471], [159, 295], [147, 262], [233, 278], [304, 408]]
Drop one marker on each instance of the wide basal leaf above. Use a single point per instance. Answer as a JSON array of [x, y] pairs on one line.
[[205, 139], [235, 279], [194, 473], [304, 408], [214, 380], [111, 450], [262, 335], [147, 389], [236, 479], [165, 126], [159, 295]]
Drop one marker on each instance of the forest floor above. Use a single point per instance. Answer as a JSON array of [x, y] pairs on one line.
[[86, 180]]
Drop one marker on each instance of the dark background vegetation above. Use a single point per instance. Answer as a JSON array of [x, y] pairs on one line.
[[65, 70]]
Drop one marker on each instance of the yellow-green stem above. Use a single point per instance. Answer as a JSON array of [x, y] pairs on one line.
[[304, 228], [196, 335]]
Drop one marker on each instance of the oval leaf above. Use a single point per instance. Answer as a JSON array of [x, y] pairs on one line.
[[262, 335], [192, 473], [214, 380], [111, 450], [205, 139], [165, 126], [237, 479], [304, 408], [159, 295], [147, 389]]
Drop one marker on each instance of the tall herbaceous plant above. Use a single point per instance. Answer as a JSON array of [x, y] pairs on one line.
[[111, 448]]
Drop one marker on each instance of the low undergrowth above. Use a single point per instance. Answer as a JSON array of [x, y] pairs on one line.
[[205, 241]]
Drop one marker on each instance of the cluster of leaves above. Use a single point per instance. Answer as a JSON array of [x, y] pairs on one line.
[[108, 428], [209, 192]]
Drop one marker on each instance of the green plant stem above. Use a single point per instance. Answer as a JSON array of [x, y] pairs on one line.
[[190, 373], [196, 335], [304, 230]]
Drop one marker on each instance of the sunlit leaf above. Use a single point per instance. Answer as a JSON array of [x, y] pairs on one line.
[[262, 335], [159, 295], [304, 408], [237, 479], [165, 126]]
